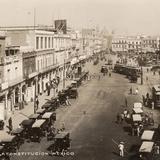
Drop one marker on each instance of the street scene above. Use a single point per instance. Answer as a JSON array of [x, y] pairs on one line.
[[79, 89]]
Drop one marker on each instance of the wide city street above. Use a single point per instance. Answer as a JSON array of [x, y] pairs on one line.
[[91, 121]]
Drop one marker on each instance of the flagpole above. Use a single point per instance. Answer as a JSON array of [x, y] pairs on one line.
[[34, 18]]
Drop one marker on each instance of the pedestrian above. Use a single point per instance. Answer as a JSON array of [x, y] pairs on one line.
[[138, 131], [136, 92], [152, 105], [118, 118], [58, 102], [10, 124], [122, 118], [130, 90], [147, 95], [141, 127], [109, 74], [121, 149], [125, 113], [67, 101], [62, 126], [146, 78], [156, 149], [146, 119], [154, 73], [37, 102], [147, 70], [126, 103], [48, 89], [144, 100]]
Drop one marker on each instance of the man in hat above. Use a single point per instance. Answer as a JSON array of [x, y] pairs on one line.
[[121, 149]]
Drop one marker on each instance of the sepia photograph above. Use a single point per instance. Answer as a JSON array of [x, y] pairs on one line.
[[79, 80]]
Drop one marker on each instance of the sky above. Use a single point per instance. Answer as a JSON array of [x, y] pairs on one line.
[[120, 16]]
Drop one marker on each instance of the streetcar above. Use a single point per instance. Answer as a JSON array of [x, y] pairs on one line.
[[131, 72], [156, 95]]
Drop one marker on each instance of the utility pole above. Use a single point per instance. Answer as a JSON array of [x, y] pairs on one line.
[[34, 18], [35, 95], [64, 75], [141, 66]]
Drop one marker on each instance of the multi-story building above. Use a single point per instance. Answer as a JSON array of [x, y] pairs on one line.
[[150, 43], [134, 44], [31, 58], [92, 41], [130, 44], [119, 44], [11, 76]]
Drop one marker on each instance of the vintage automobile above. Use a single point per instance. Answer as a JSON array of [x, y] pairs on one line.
[[19, 133], [8, 141], [34, 116], [61, 142], [40, 111], [27, 125], [50, 118], [133, 78], [104, 69], [50, 105], [62, 97], [74, 84], [1, 124], [38, 130], [147, 135], [73, 93], [55, 103], [138, 105], [135, 122], [146, 150], [3, 154], [78, 82], [137, 111]]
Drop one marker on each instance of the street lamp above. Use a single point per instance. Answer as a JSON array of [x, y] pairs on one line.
[[141, 67], [64, 68], [35, 95]]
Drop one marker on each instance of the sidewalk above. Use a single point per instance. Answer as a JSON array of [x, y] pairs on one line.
[[20, 115]]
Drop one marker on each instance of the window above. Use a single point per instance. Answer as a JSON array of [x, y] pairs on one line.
[[41, 42], [37, 42], [38, 65], [7, 52], [45, 42], [49, 41], [12, 52], [15, 68], [0, 49], [52, 42]]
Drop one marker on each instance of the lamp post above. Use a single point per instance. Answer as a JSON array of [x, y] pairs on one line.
[[35, 95], [141, 66], [64, 68]]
